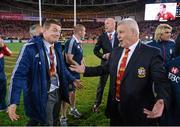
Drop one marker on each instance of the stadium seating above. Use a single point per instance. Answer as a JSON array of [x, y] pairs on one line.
[[19, 29]]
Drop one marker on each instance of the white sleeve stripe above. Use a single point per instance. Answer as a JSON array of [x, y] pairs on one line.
[[71, 46], [15, 69]]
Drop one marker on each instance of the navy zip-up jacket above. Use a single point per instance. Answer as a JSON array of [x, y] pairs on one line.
[[167, 49], [173, 70], [30, 74]]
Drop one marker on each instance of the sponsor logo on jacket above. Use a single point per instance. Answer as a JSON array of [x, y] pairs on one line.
[[173, 75]]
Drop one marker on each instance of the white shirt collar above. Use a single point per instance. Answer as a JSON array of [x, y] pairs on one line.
[[47, 44], [132, 47], [111, 33], [78, 41]]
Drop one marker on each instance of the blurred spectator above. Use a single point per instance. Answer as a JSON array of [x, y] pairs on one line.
[[163, 41], [94, 29], [3, 51], [35, 30]]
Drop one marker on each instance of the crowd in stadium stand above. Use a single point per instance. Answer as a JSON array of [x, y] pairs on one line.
[[15, 29], [147, 29], [19, 29]]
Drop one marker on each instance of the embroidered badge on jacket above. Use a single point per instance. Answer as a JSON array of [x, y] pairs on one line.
[[141, 72]]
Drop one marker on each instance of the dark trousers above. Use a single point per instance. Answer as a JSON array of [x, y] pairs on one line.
[[101, 86], [3, 94], [52, 111], [120, 118], [116, 118], [116, 121], [33, 122], [100, 89]]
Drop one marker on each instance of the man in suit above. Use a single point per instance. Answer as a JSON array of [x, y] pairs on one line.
[[133, 68], [40, 71], [106, 42]]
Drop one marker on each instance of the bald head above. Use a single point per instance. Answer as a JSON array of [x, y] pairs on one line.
[[109, 25]]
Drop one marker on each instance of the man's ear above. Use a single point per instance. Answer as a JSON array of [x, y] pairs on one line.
[[80, 32]]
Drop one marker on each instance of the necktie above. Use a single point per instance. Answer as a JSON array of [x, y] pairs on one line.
[[52, 64], [121, 73], [110, 37]]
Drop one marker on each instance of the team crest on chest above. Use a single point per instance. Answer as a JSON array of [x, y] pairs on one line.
[[141, 72]]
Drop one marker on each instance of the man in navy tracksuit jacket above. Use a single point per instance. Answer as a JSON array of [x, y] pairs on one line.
[[173, 69], [162, 41], [31, 74], [166, 47]]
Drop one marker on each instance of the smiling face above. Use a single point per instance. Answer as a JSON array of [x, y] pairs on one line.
[[52, 33]]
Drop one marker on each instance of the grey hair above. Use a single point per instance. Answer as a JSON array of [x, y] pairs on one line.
[[131, 23], [32, 29]]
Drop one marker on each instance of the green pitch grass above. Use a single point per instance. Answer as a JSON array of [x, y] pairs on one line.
[[85, 97]]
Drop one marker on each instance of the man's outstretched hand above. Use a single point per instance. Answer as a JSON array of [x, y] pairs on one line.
[[12, 112], [156, 111], [78, 68]]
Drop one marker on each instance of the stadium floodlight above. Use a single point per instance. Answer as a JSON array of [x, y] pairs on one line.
[[40, 17], [74, 12]]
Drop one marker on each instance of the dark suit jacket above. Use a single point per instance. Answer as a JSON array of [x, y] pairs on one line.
[[144, 67], [104, 44], [177, 46]]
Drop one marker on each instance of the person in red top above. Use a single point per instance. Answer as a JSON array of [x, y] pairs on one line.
[[4, 50], [163, 14]]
